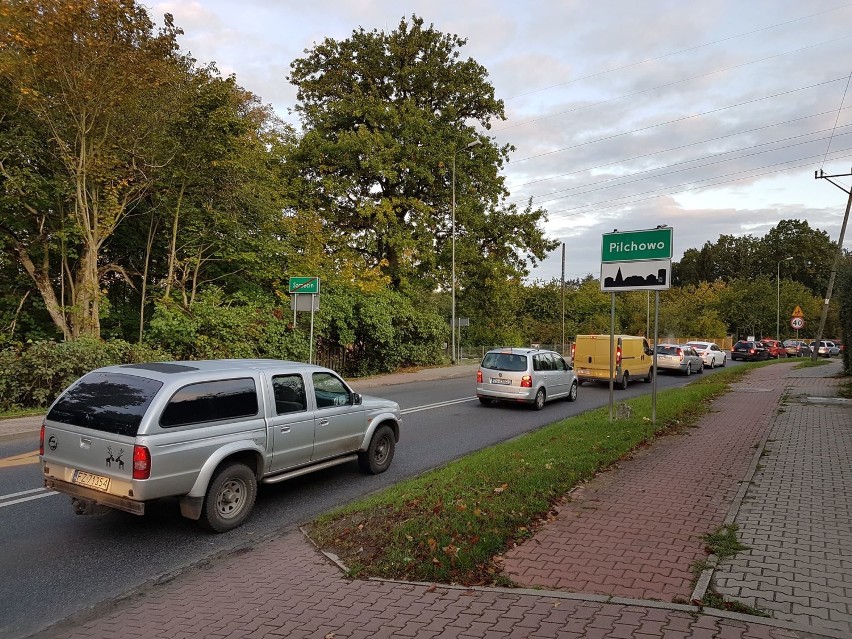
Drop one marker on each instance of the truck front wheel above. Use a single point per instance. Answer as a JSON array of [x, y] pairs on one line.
[[379, 454], [229, 499]]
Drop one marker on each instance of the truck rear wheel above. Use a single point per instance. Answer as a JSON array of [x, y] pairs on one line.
[[229, 499]]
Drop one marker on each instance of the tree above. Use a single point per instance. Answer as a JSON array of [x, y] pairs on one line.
[[812, 250], [387, 116], [94, 79]]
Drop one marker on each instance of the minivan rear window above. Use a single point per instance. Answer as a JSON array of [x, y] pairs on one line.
[[108, 402], [505, 362]]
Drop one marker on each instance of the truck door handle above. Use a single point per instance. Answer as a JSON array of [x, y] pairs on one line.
[[323, 422]]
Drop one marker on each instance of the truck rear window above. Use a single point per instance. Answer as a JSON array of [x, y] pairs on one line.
[[108, 402], [211, 401]]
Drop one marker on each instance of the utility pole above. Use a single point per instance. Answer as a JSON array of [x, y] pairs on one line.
[[819, 175]]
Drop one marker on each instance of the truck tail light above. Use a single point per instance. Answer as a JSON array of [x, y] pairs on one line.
[[479, 377], [573, 349], [141, 462], [618, 356], [41, 441], [526, 381]]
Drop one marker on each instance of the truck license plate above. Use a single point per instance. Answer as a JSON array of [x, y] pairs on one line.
[[90, 481], [583, 371], [498, 380]]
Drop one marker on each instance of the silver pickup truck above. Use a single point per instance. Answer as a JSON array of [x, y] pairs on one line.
[[207, 432]]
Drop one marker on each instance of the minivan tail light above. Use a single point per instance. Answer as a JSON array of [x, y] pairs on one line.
[[479, 377], [141, 462], [526, 381], [680, 353], [41, 441]]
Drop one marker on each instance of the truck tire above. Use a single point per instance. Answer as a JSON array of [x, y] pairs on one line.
[[625, 381], [379, 454], [229, 499]]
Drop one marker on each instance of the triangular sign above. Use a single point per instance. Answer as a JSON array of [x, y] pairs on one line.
[[798, 312]]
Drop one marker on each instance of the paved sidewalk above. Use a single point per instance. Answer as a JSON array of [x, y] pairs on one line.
[[797, 515], [645, 518]]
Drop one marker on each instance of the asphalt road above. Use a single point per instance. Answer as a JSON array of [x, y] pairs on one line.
[[57, 565]]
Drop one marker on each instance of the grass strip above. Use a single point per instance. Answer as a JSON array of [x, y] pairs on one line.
[[447, 525]]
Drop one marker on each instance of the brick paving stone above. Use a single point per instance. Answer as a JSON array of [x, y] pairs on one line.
[[799, 501]]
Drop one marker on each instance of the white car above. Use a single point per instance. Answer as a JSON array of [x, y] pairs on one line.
[[710, 352]]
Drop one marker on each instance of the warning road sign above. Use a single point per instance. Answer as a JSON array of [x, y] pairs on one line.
[[797, 312]]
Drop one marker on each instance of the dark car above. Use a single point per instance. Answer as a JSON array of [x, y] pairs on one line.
[[776, 349], [749, 351]]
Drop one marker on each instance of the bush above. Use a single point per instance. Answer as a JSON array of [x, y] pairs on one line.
[[32, 376]]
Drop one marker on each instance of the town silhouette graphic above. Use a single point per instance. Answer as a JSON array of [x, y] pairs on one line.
[[636, 280]]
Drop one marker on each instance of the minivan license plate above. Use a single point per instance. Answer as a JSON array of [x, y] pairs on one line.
[[499, 380], [91, 481]]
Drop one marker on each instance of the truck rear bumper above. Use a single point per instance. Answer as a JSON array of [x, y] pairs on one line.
[[105, 499]]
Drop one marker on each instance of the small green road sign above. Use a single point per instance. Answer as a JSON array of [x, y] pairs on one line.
[[305, 285], [629, 246]]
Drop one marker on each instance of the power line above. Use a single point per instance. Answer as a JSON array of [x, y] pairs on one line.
[[668, 55], [681, 119], [676, 148], [663, 86], [842, 100], [690, 168], [605, 204]]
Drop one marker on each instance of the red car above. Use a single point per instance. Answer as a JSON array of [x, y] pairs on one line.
[[776, 349]]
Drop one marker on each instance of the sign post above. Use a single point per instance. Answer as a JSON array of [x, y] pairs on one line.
[[636, 261], [309, 286]]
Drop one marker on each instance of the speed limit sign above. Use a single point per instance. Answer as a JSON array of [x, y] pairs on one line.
[[797, 323]]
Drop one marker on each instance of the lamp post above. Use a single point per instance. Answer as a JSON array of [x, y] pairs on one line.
[[778, 298], [453, 276]]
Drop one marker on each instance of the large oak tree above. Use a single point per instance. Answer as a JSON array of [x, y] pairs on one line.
[[387, 116]]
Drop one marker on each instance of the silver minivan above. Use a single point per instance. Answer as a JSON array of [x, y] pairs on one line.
[[525, 375]]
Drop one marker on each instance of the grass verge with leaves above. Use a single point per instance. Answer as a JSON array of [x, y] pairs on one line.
[[448, 524]]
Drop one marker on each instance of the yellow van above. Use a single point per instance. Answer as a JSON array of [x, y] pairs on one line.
[[634, 359]]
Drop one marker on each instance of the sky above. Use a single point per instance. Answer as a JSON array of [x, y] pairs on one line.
[[710, 116]]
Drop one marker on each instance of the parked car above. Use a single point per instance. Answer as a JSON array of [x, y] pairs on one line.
[[796, 348], [206, 432], [681, 358], [525, 375], [776, 349], [826, 348], [749, 351], [710, 352]]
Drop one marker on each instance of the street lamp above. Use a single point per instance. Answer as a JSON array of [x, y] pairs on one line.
[[453, 276], [778, 298]]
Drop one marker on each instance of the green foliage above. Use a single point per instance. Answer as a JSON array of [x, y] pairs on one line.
[[383, 330], [218, 326], [390, 120], [34, 375]]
